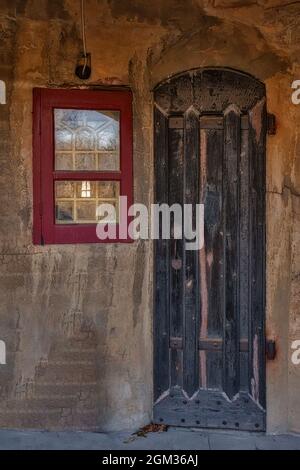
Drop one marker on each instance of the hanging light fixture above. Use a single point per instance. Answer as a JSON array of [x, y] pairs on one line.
[[84, 66]]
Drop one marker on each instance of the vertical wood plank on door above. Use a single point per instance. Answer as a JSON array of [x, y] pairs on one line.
[[175, 196], [161, 318], [232, 138], [203, 304], [257, 136], [244, 284], [214, 251], [191, 299]]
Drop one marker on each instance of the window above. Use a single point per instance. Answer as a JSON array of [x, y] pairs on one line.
[[82, 158]]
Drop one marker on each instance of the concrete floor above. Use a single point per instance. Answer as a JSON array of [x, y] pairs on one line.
[[174, 439]]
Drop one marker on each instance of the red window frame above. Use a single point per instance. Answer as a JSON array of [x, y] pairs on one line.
[[45, 231]]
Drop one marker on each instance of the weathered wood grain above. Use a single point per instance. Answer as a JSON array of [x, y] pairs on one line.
[[176, 266], [209, 324], [209, 90], [257, 144], [232, 150], [212, 255], [244, 239], [210, 409], [161, 274], [191, 291]]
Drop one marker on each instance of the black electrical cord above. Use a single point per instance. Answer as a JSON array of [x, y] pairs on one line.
[[83, 68], [83, 34]]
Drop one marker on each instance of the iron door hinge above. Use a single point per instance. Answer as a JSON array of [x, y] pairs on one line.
[[271, 124], [271, 349]]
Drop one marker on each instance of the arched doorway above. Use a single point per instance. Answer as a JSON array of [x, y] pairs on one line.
[[209, 332]]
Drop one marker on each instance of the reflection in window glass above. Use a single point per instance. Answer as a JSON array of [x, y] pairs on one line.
[[85, 189], [87, 140], [77, 201]]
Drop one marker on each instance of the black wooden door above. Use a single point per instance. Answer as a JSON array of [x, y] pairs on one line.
[[209, 348]]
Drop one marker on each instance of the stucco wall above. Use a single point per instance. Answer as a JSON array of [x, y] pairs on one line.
[[77, 319]]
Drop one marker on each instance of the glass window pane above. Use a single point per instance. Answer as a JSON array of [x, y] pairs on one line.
[[85, 161], [84, 140], [86, 211], [108, 190], [91, 140], [64, 212], [64, 189], [64, 161], [77, 201], [108, 161], [86, 190], [63, 139], [108, 138]]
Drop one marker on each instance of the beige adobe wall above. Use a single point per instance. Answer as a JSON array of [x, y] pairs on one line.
[[77, 319]]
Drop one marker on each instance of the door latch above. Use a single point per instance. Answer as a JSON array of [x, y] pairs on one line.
[[271, 349]]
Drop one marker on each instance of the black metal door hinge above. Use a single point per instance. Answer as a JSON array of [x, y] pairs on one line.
[[271, 124], [271, 349]]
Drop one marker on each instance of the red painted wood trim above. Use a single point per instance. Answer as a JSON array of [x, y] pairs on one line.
[[44, 101], [87, 175]]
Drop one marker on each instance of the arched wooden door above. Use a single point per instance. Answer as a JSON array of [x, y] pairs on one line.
[[209, 345]]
